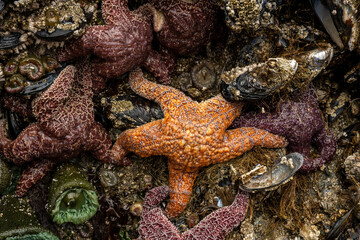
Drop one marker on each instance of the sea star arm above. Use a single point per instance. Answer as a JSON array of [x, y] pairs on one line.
[[223, 112], [180, 183], [154, 197], [83, 81], [144, 141], [33, 173], [219, 223], [161, 66], [18, 105], [326, 144], [253, 119], [237, 141], [99, 143], [154, 225], [31, 143], [85, 44], [115, 12], [167, 97], [55, 95]]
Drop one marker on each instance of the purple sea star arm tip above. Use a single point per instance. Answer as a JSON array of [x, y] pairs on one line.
[[219, 223], [155, 225], [298, 119]]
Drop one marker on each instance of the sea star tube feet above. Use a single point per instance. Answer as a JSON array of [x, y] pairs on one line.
[[300, 121], [65, 126], [192, 135], [155, 225], [119, 46]]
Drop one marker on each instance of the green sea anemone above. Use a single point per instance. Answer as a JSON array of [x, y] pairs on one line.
[[18, 221], [72, 197]]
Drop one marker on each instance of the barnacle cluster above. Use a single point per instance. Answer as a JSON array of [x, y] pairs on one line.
[[44, 23], [58, 15], [245, 15]]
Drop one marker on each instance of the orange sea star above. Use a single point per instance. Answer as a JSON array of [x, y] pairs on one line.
[[192, 135]]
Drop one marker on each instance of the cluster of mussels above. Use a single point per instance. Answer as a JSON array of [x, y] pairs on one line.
[[236, 77]]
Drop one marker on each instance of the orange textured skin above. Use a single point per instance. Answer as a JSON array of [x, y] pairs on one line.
[[192, 135]]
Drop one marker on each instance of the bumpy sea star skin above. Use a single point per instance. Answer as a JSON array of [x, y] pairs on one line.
[[300, 121], [119, 46], [187, 25], [65, 126], [155, 225], [33, 173], [192, 135], [18, 105]]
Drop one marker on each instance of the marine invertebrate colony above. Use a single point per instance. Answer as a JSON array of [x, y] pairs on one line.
[[154, 224], [65, 126], [192, 135], [300, 121], [121, 45]]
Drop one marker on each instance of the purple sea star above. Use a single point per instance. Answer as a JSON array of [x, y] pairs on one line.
[[65, 126], [300, 121], [154, 225], [187, 26], [120, 45]]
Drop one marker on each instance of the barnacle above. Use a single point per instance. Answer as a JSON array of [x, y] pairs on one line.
[[136, 208], [51, 17], [245, 14], [58, 20]]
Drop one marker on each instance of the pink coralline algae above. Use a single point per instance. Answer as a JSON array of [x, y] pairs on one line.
[[154, 225], [300, 121], [187, 26], [65, 126], [120, 45]]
